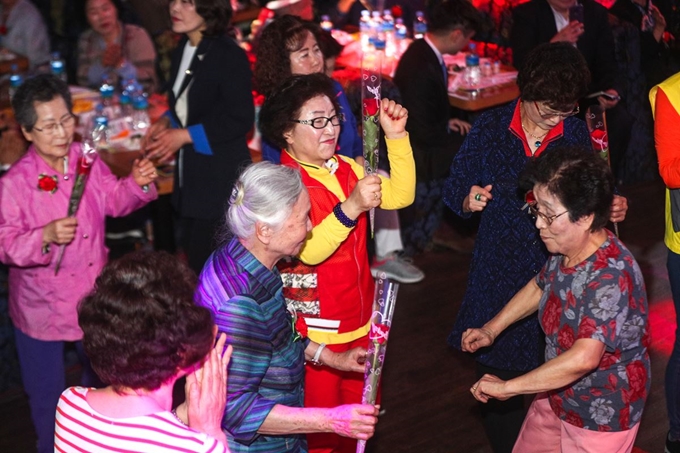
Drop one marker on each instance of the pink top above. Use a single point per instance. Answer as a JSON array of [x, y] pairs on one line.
[[79, 428], [42, 305]]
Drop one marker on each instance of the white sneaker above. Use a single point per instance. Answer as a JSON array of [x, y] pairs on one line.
[[397, 268]]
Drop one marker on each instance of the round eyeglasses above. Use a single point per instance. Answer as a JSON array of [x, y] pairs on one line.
[[549, 115], [51, 128], [532, 204], [322, 121]]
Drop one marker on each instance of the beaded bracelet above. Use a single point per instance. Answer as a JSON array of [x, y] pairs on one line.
[[342, 217]]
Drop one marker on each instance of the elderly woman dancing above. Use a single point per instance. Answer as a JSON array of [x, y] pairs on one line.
[[592, 307], [269, 216], [331, 283], [142, 331], [508, 250]]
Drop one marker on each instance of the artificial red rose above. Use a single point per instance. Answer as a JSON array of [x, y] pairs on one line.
[[637, 380], [370, 107], [550, 321], [84, 166], [379, 333], [599, 139], [397, 12], [301, 327], [47, 183], [565, 337]]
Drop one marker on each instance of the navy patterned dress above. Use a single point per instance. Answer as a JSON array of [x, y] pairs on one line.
[[508, 249]]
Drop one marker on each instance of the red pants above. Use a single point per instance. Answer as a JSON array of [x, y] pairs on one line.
[[327, 387]]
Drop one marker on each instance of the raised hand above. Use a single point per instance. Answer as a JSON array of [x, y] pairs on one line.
[[393, 119]]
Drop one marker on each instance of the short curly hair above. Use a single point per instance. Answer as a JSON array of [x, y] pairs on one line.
[[579, 178], [282, 36], [140, 323], [41, 88], [555, 73], [287, 101], [216, 13]]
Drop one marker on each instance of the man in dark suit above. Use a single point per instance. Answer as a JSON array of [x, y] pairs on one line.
[[422, 80], [539, 21]]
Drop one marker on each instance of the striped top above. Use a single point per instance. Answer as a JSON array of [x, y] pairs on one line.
[[79, 428], [267, 366]]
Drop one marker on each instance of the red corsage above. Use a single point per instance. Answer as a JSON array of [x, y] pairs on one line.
[[299, 325], [48, 183]]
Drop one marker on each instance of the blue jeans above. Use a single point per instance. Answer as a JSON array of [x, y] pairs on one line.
[[673, 368], [44, 378]]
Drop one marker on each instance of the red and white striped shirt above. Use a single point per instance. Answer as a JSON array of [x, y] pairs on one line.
[[80, 429]]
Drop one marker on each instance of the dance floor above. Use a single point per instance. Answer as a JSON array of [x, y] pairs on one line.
[[426, 384]]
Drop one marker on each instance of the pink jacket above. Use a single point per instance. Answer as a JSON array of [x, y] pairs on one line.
[[42, 305]]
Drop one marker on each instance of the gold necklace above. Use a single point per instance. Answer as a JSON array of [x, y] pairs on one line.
[[539, 139]]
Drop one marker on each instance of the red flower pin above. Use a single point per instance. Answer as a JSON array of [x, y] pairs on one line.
[[48, 183], [301, 327]]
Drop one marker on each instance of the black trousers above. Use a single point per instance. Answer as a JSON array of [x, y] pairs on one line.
[[502, 419]]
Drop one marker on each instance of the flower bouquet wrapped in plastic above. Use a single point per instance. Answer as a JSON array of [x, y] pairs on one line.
[[384, 300], [371, 80], [85, 160], [596, 119]]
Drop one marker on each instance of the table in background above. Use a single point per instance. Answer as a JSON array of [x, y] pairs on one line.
[[474, 101]]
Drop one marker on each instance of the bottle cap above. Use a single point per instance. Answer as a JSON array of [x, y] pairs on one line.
[[140, 103]]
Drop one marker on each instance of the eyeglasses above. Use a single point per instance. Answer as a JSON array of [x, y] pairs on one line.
[[51, 128], [531, 203], [322, 121], [547, 116]]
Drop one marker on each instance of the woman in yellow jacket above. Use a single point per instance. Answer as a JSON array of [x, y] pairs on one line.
[[665, 99]]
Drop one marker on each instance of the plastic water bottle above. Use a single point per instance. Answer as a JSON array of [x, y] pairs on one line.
[[125, 101], [419, 26], [400, 33], [15, 81], [326, 23], [106, 90], [140, 114], [473, 73], [377, 32], [58, 66], [100, 128], [388, 29], [365, 29]]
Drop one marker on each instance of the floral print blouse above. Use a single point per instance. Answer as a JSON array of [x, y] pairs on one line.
[[602, 298]]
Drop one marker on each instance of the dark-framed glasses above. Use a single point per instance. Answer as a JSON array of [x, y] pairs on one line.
[[532, 204], [322, 121], [51, 128], [549, 115]]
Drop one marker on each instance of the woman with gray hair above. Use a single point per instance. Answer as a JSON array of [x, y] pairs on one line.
[[268, 216]]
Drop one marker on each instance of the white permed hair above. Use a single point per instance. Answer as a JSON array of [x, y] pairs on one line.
[[264, 192]]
